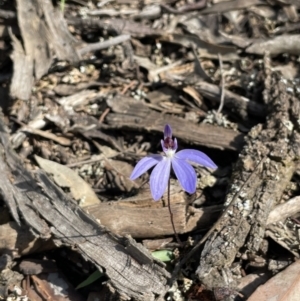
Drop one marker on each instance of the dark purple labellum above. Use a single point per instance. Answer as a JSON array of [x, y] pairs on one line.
[[169, 143]]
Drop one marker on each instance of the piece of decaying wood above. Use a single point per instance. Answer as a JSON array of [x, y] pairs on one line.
[[284, 210], [117, 25], [16, 241], [185, 8], [36, 49], [50, 213], [276, 145], [22, 80], [59, 36], [103, 44], [19, 136], [156, 244], [148, 219], [277, 45], [225, 6], [205, 48], [48, 135], [237, 104], [43, 32], [249, 283], [284, 286], [136, 115]]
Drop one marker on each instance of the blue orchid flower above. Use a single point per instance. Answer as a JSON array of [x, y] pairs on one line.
[[180, 163]]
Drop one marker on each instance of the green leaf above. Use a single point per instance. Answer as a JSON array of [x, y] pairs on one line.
[[92, 278], [163, 255]]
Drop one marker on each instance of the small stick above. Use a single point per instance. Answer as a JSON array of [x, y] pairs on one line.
[[222, 85], [104, 44]]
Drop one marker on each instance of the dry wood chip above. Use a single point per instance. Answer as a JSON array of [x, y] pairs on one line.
[[291, 12], [285, 210], [35, 124], [35, 36], [278, 45], [59, 36], [204, 48], [224, 6], [119, 26], [238, 104], [251, 282], [285, 286], [67, 89], [43, 30], [19, 240], [22, 79], [69, 103], [103, 44], [53, 286], [60, 140], [239, 41]]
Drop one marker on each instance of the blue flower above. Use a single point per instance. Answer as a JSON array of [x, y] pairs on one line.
[[184, 172]]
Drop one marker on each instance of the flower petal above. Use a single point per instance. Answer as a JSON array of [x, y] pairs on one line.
[[144, 164], [175, 145], [167, 132], [163, 146], [159, 178], [196, 156], [185, 174]]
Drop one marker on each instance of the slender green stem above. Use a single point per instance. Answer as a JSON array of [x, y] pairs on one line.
[[171, 214], [62, 5]]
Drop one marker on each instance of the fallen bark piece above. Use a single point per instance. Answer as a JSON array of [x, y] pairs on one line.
[[17, 241], [285, 286], [58, 139], [249, 283], [285, 210], [285, 235], [45, 34], [135, 115], [237, 104], [118, 25], [222, 7], [278, 45], [149, 219]]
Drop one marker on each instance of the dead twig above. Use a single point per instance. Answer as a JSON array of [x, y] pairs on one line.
[[104, 44], [222, 85]]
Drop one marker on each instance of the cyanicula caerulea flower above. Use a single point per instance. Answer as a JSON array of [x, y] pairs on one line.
[[180, 163]]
